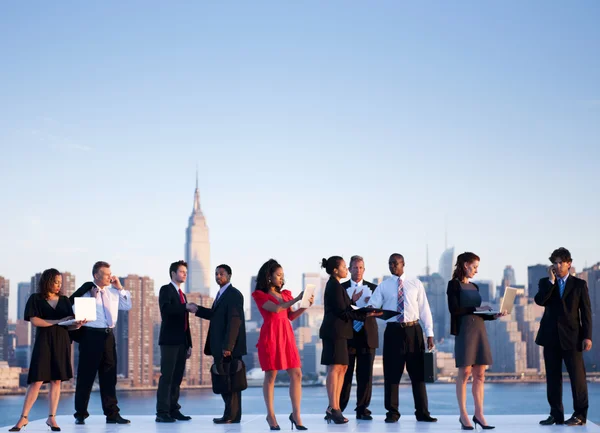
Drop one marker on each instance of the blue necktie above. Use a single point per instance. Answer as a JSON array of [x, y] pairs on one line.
[[561, 286], [357, 325]]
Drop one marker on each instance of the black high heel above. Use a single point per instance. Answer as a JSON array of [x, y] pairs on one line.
[[273, 427], [294, 423], [15, 428], [51, 426], [328, 414], [485, 427], [465, 427], [338, 417]]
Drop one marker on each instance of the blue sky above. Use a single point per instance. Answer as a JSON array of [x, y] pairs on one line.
[[319, 128]]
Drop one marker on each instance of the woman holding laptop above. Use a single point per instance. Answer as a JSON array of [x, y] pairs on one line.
[[51, 357], [471, 348]]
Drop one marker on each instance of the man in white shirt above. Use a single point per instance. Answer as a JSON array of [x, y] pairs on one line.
[[403, 342], [97, 350]]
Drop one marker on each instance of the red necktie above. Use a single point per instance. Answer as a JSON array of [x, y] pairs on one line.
[[182, 299]]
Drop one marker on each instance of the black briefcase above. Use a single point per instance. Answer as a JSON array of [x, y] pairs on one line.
[[228, 376], [429, 365]]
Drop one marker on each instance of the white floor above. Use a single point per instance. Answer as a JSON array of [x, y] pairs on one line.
[[314, 423]]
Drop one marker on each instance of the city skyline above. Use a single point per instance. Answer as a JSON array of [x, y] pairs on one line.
[[317, 130]]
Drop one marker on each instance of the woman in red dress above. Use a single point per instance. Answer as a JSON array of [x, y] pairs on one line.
[[277, 348]]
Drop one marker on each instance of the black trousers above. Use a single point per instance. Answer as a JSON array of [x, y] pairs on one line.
[[553, 359], [172, 368], [233, 404], [97, 355], [363, 359], [404, 346]]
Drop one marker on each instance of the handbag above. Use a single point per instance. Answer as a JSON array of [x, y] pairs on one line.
[[228, 376]]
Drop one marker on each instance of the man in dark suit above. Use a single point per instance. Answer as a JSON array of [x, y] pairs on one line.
[[361, 347], [226, 337], [175, 343], [565, 331]]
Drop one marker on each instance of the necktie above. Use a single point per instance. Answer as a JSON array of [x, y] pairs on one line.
[[357, 325], [182, 299], [105, 303], [561, 286], [400, 308]]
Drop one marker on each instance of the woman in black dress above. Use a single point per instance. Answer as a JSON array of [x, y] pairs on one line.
[[335, 332], [51, 357], [471, 347]]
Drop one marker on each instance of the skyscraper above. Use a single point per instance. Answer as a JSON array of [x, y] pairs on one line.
[[197, 250], [592, 276], [68, 283], [4, 292], [447, 264], [508, 277], [23, 292], [255, 315], [534, 274], [487, 290], [435, 288], [140, 330]]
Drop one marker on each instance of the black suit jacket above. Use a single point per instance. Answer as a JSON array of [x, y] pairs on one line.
[[85, 287], [456, 311], [568, 320], [174, 316], [369, 334], [227, 329], [339, 315]]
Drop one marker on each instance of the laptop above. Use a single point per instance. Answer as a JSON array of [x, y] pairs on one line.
[[507, 304], [85, 309]]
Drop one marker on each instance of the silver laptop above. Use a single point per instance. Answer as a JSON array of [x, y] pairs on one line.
[[507, 304]]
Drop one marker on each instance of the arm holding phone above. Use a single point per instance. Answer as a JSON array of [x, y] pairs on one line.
[[546, 288]]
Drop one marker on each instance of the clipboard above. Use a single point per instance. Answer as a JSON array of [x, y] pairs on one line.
[[387, 314], [308, 292]]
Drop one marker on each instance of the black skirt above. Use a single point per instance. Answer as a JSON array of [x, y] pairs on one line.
[[335, 352]]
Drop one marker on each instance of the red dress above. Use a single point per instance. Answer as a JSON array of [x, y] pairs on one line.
[[277, 348]]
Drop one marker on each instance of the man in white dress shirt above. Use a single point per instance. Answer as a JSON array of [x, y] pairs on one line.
[[403, 342], [97, 350]]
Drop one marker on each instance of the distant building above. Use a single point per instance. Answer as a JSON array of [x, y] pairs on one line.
[[4, 294], [592, 276], [23, 292], [435, 288], [446, 266], [487, 290], [197, 250], [534, 274]]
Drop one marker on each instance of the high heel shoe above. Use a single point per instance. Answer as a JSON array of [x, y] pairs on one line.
[[465, 427], [273, 427], [338, 417], [294, 423], [53, 428], [24, 426], [485, 427], [328, 414]]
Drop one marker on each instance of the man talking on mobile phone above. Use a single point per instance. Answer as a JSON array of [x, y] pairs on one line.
[[565, 332]]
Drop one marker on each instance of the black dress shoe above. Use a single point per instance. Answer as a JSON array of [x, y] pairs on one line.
[[180, 417], [223, 421], [551, 420], [426, 418], [118, 419], [79, 420], [391, 419], [574, 420], [164, 418], [364, 417]]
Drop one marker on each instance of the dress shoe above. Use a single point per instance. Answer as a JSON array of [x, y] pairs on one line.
[[117, 419], [574, 420], [426, 418], [391, 419], [79, 420], [551, 420], [223, 421], [364, 417], [180, 417], [164, 418]]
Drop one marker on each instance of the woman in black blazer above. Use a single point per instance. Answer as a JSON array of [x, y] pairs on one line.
[[471, 347], [335, 332]]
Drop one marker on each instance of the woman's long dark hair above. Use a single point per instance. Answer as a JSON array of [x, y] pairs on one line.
[[461, 261], [263, 278], [46, 282]]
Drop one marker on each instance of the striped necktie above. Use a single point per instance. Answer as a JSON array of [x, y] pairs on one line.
[[400, 308]]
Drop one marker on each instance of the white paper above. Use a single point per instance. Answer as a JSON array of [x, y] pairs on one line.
[[366, 293], [308, 292]]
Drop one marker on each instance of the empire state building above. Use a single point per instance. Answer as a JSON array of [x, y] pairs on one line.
[[197, 250]]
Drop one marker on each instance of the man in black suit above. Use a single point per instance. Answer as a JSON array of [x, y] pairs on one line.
[[226, 335], [175, 343], [565, 331], [361, 347]]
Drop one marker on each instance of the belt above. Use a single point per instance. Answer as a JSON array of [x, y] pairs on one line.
[[404, 324], [104, 330]]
